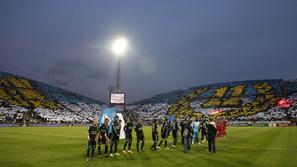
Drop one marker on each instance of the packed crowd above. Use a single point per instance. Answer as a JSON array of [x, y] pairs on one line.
[[275, 113], [22, 99], [147, 112], [69, 113], [83, 112], [77, 113], [12, 114]]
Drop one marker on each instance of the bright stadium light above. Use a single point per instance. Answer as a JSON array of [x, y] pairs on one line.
[[119, 46]]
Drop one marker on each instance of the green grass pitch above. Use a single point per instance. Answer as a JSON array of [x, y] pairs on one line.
[[66, 146]]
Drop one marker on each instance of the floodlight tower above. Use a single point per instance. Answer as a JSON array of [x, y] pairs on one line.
[[119, 48]]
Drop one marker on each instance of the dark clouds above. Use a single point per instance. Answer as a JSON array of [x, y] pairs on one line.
[[174, 44], [71, 67]]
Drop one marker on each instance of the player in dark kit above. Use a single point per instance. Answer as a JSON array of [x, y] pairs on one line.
[[164, 133], [182, 124], [175, 130], [103, 137], [154, 135], [140, 135], [115, 138], [128, 128], [92, 136], [187, 132]]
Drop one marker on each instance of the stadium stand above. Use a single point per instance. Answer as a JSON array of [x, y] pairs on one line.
[[24, 100]]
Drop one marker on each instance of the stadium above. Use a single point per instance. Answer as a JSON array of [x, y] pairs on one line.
[[148, 83], [25, 101], [41, 107]]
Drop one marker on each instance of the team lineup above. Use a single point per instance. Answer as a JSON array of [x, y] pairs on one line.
[[191, 132]]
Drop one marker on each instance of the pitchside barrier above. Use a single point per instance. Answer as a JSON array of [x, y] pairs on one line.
[[261, 123]]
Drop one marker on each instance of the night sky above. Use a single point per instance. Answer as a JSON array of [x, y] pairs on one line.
[[173, 44]]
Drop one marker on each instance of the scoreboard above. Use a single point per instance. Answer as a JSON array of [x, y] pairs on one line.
[[117, 98]]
